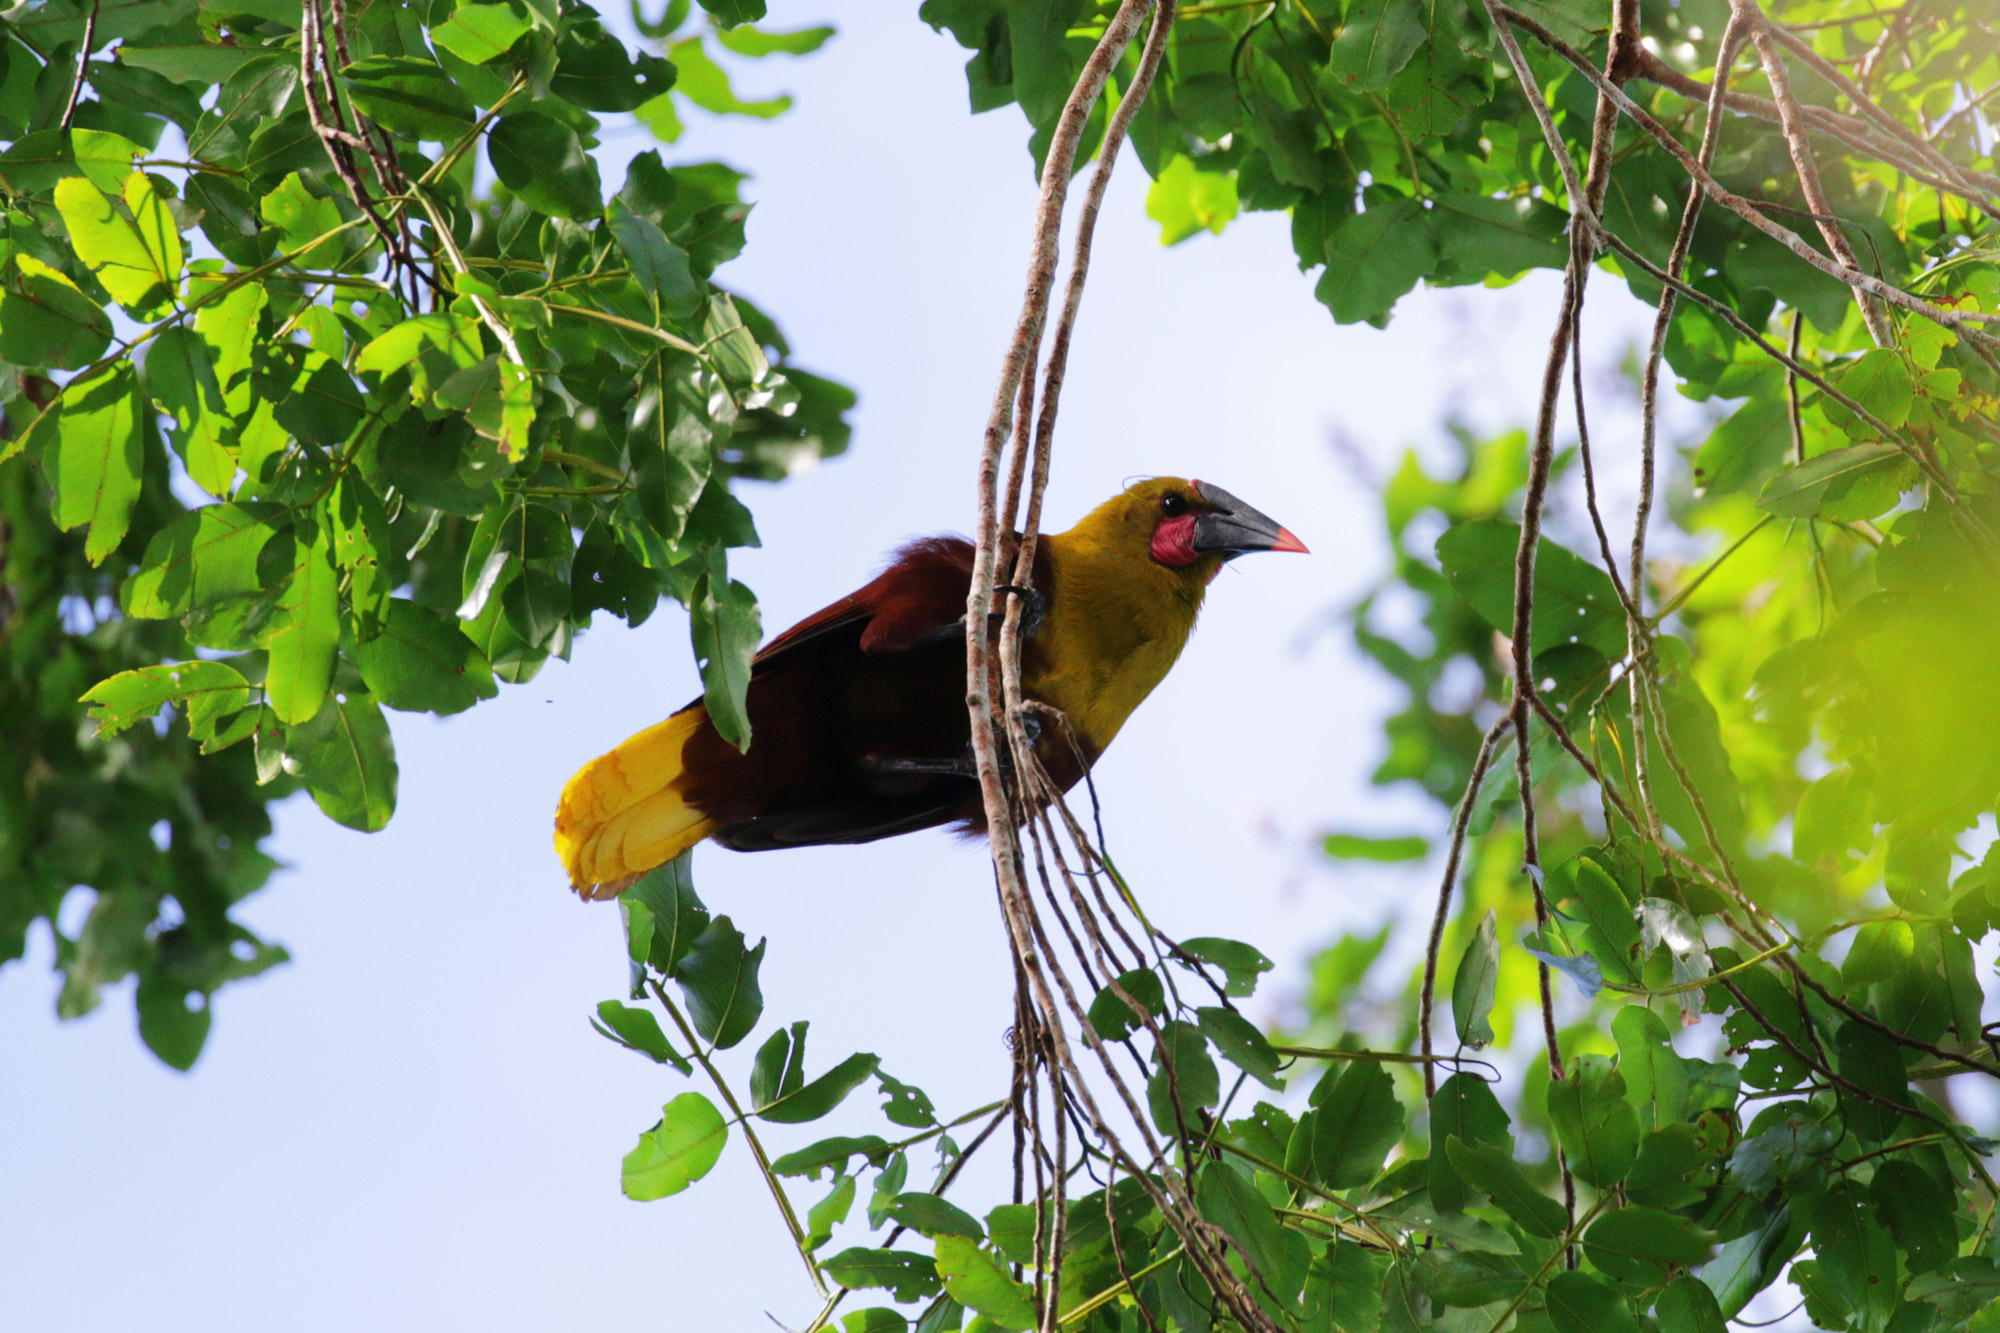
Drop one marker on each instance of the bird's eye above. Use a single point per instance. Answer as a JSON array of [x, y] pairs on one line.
[[1173, 504]]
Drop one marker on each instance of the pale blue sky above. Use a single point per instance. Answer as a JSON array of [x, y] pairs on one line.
[[413, 1127]]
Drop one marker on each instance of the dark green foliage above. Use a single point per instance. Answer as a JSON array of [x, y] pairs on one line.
[[394, 481]]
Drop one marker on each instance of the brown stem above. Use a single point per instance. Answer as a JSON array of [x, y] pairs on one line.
[[1793, 123], [82, 67], [1427, 1002]]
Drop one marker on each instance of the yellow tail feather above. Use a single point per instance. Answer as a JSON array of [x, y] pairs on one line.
[[623, 813]]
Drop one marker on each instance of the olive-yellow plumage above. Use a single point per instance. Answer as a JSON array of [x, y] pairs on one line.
[[859, 726]]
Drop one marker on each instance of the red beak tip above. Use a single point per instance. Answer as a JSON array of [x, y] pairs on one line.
[[1288, 542]]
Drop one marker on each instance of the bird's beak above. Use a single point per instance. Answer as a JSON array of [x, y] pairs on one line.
[[1234, 527]]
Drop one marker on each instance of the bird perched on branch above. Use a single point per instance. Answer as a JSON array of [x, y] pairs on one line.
[[858, 716]]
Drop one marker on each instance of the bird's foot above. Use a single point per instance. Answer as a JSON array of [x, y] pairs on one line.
[[1034, 606]]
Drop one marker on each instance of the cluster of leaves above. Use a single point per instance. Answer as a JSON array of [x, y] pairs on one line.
[[292, 440]]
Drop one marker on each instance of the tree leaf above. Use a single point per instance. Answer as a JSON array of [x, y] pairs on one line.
[[820, 1096], [1115, 1020], [1856, 1253], [1917, 1210], [420, 663], [1240, 1043], [1194, 1082], [679, 918], [138, 259], [199, 559], [212, 692], [719, 978], [660, 266], [1801, 491], [1373, 258], [1579, 1303], [638, 1030], [1686, 1305], [976, 1280], [1184, 200], [1474, 985], [1356, 1120], [1656, 1080], [1465, 1109], [97, 457], [1494, 1173], [726, 630], [906, 1275], [1241, 964], [1378, 39], [1355, 847], [481, 33], [1596, 1124], [180, 376], [540, 159], [302, 647], [347, 761], [1644, 1245], [46, 321], [934, 1216], [410, 97], [676, 1152]]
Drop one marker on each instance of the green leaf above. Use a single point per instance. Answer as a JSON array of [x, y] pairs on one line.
[[46, 321], [410, 97], [1643, 1245], [420, 663], [1597, 1126], [1579, 1303], [676, 1152], [103, 157], [302, 646], [1373, 258], [1879, 380], [906, 1275], [1356, 1120], [834, 1153], [660, 266], [1656, 1080], [638, 1030], [821, 1095], [719, 978], [934, 1216], [1184, 200], [679, 918], [138, 259], [1113, 1019], [705, 83], [976, 1280], [730, 343], [1493, 1172], [1355, 847], [1240, 1043], [98, 456], [1686, 1305], [1801, 491], [347, 761], [199, 559], [1856, 1253], [1241, 964], [301, 219], [1474, 986], [202, 63], [481, 33], [180, 376], [1465, 1109], [1918, 1212], [1614, 930], [540, 159], [212, 692], [1194, 1082], [1486, 237], [1574, 600], [757, 42], [726, 630], [172, 1028], [730, 13], [1229, 1201], [1378, 39]]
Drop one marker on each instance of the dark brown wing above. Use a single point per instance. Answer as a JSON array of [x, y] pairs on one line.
[[857, 715]]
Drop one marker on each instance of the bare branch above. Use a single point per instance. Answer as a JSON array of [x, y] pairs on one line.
[[1460, 821], [82, 67]]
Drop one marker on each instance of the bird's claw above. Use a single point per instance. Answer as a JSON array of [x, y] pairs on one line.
[[1034, 606]]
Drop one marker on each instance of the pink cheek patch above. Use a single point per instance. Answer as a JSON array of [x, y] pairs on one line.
[[1173, 541]]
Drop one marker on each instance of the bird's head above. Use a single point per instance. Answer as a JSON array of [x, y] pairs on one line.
[[1187, 525]]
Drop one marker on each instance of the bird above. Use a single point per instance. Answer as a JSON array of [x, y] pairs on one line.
[[859, 727]]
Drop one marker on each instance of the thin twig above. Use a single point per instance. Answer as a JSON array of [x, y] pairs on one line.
[[1426, 1005], [82, 67]]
